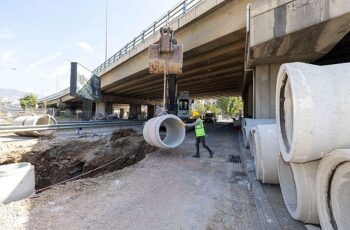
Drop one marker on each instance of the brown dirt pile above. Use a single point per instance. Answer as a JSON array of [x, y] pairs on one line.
[[61, 161]]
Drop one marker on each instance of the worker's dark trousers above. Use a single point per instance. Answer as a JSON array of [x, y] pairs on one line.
[[202, 139]]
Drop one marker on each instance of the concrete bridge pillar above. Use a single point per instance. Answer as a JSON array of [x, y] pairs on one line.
[[135, 109], [248, 102], [265, 78], [70, 109], [104, 108], [150, 110], [100, 107]]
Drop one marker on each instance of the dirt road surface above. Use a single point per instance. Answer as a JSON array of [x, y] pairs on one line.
[[167, 190]]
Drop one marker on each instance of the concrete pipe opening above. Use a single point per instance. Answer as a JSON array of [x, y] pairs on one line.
[[16, 182], [174, 131], [333, 189], [35, 121], [267, 154], [297, 183], [311, 110]]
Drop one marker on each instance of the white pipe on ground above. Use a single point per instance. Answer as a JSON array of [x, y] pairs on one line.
[[175, 131], [298, 185], [17, 182], [248, 124], [34, 121], [267, 154], [333, 189], [312, 110]]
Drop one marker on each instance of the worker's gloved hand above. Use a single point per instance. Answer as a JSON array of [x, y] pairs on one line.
[[182, 123]]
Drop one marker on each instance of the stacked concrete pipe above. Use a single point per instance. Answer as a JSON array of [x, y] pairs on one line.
[[266, 154], [332, 190], [249, 124], [297, 183], [313, 120], [175, 131], [34, 121], [312, 110], [17, 182]]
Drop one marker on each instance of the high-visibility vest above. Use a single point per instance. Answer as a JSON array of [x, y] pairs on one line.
[[199, 128]]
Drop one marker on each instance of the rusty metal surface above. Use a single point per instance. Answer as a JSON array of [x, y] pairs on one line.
[[170, 62]]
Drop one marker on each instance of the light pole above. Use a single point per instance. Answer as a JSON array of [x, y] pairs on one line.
[[106, 30]]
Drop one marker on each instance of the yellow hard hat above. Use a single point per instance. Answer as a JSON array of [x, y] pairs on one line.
[[195, 114]]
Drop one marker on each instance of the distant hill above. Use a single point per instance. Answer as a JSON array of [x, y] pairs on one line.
[[11, 93]]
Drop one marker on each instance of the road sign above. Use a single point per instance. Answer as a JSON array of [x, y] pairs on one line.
[[84, 83]]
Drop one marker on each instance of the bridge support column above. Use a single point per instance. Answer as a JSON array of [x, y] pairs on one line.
[[87, 110], [248, 102], [104, 108], [100, 107], [69, 109], [135, 109], [150, 111], [265, 78]]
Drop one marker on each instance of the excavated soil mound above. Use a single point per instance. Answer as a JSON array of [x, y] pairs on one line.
[[57, 162]]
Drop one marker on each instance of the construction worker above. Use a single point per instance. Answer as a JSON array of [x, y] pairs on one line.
[[200, 134]]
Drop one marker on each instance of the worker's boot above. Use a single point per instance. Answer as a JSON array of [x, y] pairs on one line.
[[211, 154], [196, 156]]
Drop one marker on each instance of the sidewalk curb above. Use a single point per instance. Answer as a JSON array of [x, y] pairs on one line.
[[267, 216]]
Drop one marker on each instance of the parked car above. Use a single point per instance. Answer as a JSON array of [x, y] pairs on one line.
[[210, 117]]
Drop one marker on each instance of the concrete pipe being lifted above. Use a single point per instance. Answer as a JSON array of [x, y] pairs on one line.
[[175, 131], [312, 110], [333, 189], [267, 154], [248, 124], [298, 185], [17, 182], [34, 121]]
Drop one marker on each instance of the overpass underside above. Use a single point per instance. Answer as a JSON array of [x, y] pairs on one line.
[[214, 69]]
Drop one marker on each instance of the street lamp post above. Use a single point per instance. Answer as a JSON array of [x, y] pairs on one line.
[[106, 29]]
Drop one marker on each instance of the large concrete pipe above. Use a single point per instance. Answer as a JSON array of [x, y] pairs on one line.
[[248, 124], [312, 110], [34, 121], [298, 189], [267, 154], [16, 182], [175, 131], [333, 189]]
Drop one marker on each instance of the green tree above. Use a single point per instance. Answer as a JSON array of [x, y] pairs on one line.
[[28, 101], [231, 106]]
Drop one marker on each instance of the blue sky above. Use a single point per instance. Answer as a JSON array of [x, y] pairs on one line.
[[39, 38]]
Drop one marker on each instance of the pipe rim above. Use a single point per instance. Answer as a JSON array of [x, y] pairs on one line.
[[339, 192], [291, 200], [325, 172], [14, 168], [286, 146]]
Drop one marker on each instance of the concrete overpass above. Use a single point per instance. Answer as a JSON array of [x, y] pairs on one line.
[[224, 58], [213, 58]]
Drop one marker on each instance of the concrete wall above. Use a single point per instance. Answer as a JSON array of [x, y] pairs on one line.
[[296, 30], [265, 78]]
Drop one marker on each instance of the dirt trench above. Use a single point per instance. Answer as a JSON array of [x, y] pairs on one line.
[[56, 162]]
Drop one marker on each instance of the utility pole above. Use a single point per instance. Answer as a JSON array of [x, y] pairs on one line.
[[106, 29]]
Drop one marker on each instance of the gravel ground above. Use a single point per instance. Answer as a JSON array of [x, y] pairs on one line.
[[167, 190]]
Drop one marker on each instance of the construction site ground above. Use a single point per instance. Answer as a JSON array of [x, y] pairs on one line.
[[165, 189]]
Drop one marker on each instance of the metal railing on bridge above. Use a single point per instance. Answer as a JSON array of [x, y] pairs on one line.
[[180, 9]]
